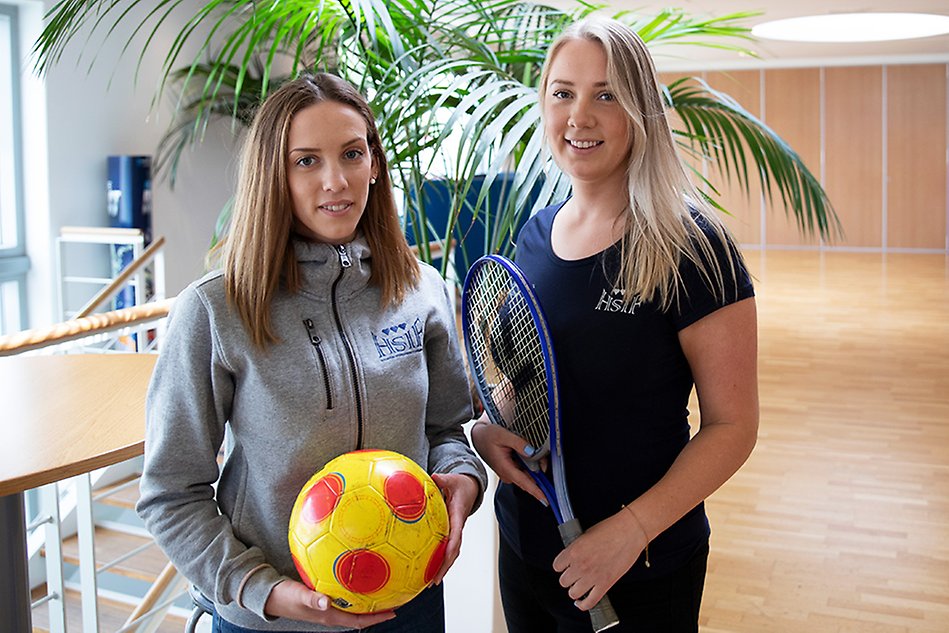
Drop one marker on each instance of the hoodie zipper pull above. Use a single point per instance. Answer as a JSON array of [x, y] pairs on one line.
[[343, 256]]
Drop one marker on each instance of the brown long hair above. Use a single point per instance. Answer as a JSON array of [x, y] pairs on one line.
[[258, 252]]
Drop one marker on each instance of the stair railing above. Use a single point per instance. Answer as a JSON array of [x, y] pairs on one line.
[[154, 251], [87, 327], [95, 326]]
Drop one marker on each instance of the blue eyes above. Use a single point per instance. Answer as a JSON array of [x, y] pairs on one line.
[[564, 94], [352, 155]]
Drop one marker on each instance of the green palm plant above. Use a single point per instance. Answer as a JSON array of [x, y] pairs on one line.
[[453, 83]]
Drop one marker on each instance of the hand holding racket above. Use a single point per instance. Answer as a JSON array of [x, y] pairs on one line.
[[511, 357]]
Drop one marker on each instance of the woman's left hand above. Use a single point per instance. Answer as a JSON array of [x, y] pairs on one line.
[[598, 558], [460, 492]]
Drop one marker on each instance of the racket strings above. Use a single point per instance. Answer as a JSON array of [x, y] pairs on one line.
[[508, 355]]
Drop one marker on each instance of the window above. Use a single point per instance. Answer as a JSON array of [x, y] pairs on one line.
[[13, 261]]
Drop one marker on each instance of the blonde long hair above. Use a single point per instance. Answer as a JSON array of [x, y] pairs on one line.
[[659, 224], [258, 252]]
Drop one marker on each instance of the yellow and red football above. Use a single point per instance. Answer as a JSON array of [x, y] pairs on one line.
[[369, 530]]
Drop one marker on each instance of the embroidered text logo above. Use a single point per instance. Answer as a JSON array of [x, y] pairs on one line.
[[613, 302], [399, 339]]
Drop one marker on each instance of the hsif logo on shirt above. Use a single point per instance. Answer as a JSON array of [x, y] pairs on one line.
[[612, 301], [399, 339]]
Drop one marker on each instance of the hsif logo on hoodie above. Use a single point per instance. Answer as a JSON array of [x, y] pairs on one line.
[[399, 339]]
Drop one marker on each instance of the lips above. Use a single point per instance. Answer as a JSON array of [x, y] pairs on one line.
[[583, 144], [336, 207]]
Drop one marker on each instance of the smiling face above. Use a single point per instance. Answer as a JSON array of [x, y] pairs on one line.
[[329, 166], [587, 129]]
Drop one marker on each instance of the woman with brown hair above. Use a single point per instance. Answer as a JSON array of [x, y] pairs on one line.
[[292, 350]]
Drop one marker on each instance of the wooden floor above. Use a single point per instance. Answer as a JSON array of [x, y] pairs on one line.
[[112, 616], [839, 522]]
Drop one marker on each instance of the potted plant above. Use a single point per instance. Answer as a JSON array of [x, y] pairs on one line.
[[453, 83]]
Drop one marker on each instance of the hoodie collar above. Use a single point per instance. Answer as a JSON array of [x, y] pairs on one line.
[[320, 264]]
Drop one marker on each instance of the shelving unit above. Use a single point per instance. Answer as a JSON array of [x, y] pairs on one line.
[[80, 249]]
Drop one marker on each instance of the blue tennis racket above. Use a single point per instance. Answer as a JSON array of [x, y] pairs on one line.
[[511, 357]]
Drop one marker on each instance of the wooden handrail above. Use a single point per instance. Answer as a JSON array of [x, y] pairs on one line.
[[113, 288], [73, 329], [88, 324], [168, 575]]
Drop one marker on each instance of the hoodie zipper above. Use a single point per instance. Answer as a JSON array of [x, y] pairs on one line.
[[346, 262], [316, 340]]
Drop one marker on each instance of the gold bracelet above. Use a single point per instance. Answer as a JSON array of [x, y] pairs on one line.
[[643, 530]]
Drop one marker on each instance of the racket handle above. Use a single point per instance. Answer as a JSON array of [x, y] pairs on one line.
[[602, 614]]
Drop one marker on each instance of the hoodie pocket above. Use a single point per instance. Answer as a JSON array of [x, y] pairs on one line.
[[322, 369]]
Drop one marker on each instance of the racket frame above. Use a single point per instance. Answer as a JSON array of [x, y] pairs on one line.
[[602, 615]]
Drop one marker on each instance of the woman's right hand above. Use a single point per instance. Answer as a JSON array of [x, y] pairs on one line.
[[499, 448], [294, 600]]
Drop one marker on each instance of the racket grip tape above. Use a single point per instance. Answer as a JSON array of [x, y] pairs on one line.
[[602, 614]]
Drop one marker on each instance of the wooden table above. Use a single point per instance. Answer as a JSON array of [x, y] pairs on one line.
[[60, 416]]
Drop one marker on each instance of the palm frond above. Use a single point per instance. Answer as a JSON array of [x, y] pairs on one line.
[[728, 135]]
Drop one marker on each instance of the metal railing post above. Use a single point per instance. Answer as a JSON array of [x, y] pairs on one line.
[[49, 507], [85, 527]]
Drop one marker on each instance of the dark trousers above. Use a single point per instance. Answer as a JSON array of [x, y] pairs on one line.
[[423, 614], [534, 601]]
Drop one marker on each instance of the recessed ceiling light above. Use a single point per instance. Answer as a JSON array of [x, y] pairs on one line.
[[854, 27]]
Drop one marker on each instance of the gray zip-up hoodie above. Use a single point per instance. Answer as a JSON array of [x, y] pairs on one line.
[[345, 374]]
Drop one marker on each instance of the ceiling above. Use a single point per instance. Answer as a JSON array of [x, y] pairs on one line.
[[775, 53]]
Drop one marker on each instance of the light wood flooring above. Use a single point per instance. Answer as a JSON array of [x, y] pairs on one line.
[[112, 616], [839, 521]]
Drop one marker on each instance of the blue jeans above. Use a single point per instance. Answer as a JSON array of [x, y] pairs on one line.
[[534, 601], [424, 614]]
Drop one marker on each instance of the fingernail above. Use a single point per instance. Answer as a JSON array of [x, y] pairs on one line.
[[324, 603], [544, 501], [529, 450]]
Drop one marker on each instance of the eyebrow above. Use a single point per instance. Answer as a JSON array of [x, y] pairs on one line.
[[599, 84], [352, 141]]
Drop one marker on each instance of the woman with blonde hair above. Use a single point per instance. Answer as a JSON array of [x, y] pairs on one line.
[[647, 296], [291, 350]]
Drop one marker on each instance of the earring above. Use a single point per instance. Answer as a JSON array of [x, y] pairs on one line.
[[372, 181]]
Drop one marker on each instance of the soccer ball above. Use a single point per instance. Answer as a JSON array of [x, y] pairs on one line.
[[369, 530]]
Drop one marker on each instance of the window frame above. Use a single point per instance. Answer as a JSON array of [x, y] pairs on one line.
[[14, 262]]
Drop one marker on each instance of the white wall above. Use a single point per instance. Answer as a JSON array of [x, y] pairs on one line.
[[472, 604], [75, 119]]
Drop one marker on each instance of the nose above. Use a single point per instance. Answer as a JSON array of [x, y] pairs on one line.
[[580, 115], [334, 178]]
